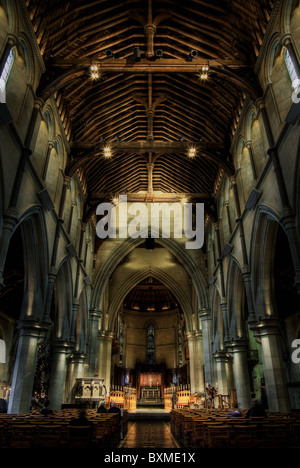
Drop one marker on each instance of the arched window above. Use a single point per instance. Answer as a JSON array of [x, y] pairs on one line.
[[291, 69], [151, 344], [5, 74]]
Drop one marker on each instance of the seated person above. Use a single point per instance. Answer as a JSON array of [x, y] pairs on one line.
[[45, 410], [114, 409], [102, 409], [256, 409]]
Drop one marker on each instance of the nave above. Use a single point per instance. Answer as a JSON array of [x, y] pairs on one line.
[[149, 434], [181, 429]]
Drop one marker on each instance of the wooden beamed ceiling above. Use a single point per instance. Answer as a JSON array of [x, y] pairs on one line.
[[160, 98]]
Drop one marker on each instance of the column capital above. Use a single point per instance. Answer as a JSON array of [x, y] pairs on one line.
[[95, 313], [12, 40], [286, 39], [204, 314], [31, 327], [221, 355], [61, 346], [266, 326], [77, 356], [238, 345]]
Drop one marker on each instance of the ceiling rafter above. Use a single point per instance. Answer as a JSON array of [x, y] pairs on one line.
[[150, 104]]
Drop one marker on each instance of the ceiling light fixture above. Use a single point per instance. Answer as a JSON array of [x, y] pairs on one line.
[[107, 152], [94, 72], [192, 152], [184, 201], [204, 72]]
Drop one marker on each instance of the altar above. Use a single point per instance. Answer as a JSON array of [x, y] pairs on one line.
[[150, 390], [150, 393]]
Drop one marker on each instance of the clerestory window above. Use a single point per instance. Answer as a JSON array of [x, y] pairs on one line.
[[291, 69], [5, 73]]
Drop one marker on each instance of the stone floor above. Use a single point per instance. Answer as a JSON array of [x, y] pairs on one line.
[[148, 434]]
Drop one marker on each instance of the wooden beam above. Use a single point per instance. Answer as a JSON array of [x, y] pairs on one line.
[[147, 147], [150, 66], [159, 197]]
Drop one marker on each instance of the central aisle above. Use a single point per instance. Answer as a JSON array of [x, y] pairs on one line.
[[149, 434]]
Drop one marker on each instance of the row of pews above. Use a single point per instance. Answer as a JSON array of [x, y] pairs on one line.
[[216, 428], [62, 430]]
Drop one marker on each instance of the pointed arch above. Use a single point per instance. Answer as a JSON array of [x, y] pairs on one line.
[[140, 276], [120, 252]]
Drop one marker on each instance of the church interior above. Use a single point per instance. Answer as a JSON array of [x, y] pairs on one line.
[[112, 115]]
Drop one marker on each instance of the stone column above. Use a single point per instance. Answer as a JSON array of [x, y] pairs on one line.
[[222, 367], [206, 322], [24, 369], [246, 271], [239, 350], [198, 362], [75, 370], [267, 331], [104, 357], [94, 320], [190, 337], [57, 382], [251, 157], [45, 169]]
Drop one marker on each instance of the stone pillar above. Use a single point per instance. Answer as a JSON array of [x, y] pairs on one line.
[[60, 352], [206, 323], [104, 357], [75, 370], [222, 367], [246, 271], [239, 350], [94, 320], [190, 337], [267, 330], [251, 157], [24, 369], [198, 362], [45, 169]]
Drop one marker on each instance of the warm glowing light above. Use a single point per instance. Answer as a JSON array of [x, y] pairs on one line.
[[192, 152], [115, 201], [204, 73], [184, 201], [94, 72], [107, 152]]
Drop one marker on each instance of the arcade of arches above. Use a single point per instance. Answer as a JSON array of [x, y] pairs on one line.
[[146, 315]]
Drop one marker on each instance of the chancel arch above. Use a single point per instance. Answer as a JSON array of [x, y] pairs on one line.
[[127, 246]]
